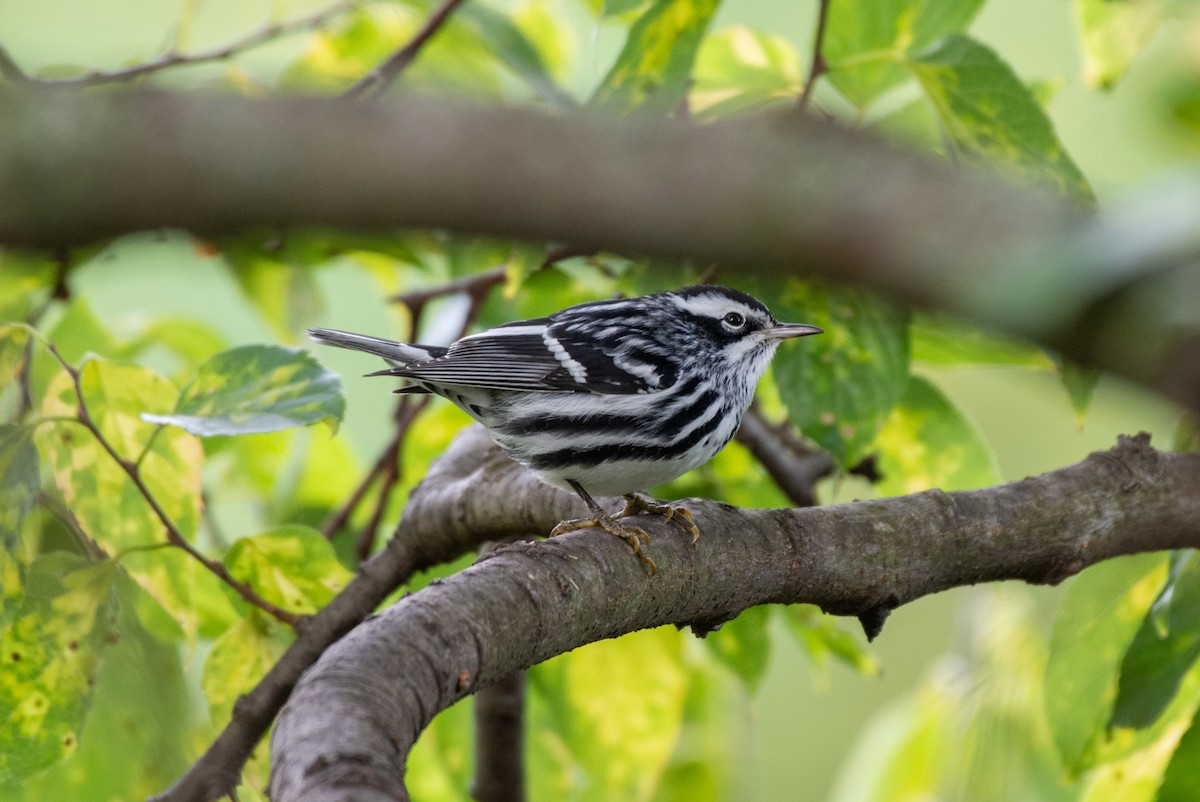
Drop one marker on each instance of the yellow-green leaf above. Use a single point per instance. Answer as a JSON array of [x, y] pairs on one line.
[[991, 118], [255, 389], [651, 73], [18, 480], [239, 659], [49, 653], [741, 68], [1113, 33], [293, 567], [927, 443]]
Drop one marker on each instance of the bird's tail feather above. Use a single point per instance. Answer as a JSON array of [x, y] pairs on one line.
[[396, 353]]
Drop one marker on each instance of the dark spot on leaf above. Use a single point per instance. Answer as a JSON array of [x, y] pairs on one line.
[[68, 740], [73, 646], [16, 657]]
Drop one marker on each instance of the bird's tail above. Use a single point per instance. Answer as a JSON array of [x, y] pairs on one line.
[[395, 353]]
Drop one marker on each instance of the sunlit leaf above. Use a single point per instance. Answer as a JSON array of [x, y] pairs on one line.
[[1099, 618], [602, 756], [1181, 781], [991, 118], [1156, 662], [938, 340], [1113, 33], [927, 443], [651, 73], [284, 294], [49, 652], [743, 645], [293, 567], [19, 480], [866, 40], [255, 389], [740, 68], [104, 500], [840, 386]]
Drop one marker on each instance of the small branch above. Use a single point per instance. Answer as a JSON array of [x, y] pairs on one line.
[[374, 83], [794, 467], [473, 285], [174, 536], [347, 729], [819, 66], [267, 32]]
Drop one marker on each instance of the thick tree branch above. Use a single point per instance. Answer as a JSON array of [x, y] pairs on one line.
[[347, 729], [779, 193]]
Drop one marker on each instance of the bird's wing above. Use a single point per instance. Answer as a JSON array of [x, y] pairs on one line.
[[548, 355]]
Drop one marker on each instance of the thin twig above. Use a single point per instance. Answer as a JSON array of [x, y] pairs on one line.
[[819, 66], [174, 536], [477, 283], [267, 32], [387, 468], [377, 80]]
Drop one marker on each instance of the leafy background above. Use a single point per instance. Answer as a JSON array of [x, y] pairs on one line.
[[982, 693]]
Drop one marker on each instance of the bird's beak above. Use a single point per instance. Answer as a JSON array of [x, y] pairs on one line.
[[784, 331]]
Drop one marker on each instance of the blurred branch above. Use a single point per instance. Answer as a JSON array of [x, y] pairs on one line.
[[780, 193], [175, 537], [794, 467], [348, 726], [267, 32], [818, 66], [376, 82], [500, 741]]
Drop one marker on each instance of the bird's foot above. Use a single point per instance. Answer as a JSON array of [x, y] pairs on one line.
[[634, 536], [636, 503]]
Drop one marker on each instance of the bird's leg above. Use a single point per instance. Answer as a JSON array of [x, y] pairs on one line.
[[639, 502], [632, 535]]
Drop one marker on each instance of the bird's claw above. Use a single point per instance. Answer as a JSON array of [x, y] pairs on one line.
[[633, 535], [635, 503]]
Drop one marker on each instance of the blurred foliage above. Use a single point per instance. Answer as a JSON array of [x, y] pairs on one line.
[[106, 628]]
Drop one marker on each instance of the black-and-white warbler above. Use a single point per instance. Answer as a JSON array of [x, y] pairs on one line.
[[604, 398]]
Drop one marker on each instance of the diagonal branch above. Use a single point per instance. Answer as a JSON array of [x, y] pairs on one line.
[[374, 83], [267, 32], [818, 66], [347, 729]]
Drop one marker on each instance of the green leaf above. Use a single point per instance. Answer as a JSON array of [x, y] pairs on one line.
[[927, 443], [13, 340], [1187, 435], [1080, 384], [106, 503], [991, 118], [839, 387], [285, 294], [866, 40], [26, 280], [255, 389], [651, 73], [740, 68], [824, 638], [1157, 661], [293, 567], [50, 653], [498, 32], [1181, 781], [1113, 33], [1096, 623], [19, 480], [744, 645]]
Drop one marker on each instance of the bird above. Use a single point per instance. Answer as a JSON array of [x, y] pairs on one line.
[[604, 398]]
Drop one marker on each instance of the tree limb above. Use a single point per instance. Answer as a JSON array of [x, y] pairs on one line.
[[346, 732], [779, 193]]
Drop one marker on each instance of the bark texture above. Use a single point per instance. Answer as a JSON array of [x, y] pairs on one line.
[[347, 729]]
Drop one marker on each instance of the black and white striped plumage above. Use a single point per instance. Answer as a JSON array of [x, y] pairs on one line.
[[609, 397]]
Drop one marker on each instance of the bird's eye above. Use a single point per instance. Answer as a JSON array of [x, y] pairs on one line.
[[734, 320]]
